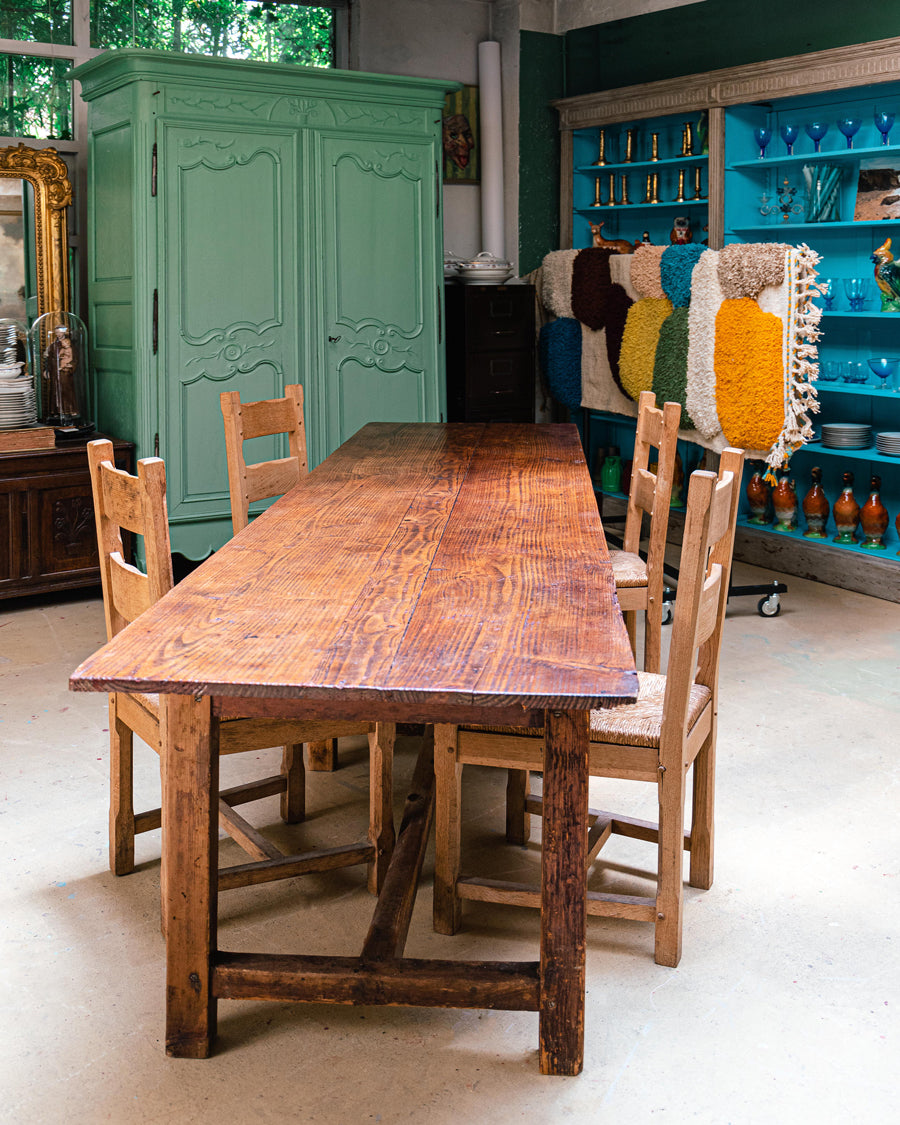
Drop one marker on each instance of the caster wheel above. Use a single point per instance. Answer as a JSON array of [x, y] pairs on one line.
[[769, 607], [667, 613]]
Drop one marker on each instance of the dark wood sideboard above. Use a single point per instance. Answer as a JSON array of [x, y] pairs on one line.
[[47, 536], [490, 353]]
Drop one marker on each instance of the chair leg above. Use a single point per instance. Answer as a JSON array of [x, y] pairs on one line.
[[447, 813], [652, 635], [670, 889], [703, 815], [518, 822], [630, 617], [322, 757], [381, 801], [293, 796], [121, 794]]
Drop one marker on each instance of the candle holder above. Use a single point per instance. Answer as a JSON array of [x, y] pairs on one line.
[[784, 203], [648, 190], [623, 180], [629, 146], [654, 146], [612, 190], [687, 139], [601, 158], [679, 198], [698, 193], [597, 202], [654, 187]]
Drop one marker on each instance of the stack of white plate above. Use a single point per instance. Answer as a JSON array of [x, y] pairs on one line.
[[17, 402], [888, 442], [846, 435]]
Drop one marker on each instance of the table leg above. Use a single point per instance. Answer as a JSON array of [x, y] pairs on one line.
[[190, 860], [563, 892]]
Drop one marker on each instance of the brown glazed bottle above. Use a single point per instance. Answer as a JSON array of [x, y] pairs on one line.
[[846, 513], [816, 508], [758, 494], [784, 501], [873, 518]]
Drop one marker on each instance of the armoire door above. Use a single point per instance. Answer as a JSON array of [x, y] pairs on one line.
[[380, 286], [229, 313]]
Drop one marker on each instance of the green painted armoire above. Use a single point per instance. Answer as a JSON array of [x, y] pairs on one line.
[[251, 226]]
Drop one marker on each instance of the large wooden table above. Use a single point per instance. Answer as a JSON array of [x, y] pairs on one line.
[[422, 573]]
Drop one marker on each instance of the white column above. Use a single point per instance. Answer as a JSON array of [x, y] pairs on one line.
[[491, 129]]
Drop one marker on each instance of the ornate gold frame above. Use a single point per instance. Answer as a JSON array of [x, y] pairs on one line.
[[47, 173]]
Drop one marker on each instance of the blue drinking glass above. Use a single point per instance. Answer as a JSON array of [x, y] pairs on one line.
[[884, 368], [827, 291], [849, 126], [855, 288], [883, 123], [789, 133], [762, 136], [816, 130]]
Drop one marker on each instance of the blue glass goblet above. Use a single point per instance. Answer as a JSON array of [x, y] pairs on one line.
[[883, 123], [885, 369], [827, 291], [830, 370], [789, 134], [762, 136], [855, 288], [849, 126], [816, 130]]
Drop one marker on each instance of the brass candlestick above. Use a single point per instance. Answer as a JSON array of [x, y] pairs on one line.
[[654, 188], [697, 192], [623, 179], [648, 190], [679, 198], [612, 190], [601, 158], [629, 146], [597, 202], [654, 146], [687, 141]]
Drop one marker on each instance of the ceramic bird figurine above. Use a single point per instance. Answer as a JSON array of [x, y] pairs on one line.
[[887, 277]]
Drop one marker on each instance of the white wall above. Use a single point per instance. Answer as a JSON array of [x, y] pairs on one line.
[[439, 39]]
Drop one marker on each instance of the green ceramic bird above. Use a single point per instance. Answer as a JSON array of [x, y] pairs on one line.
[[887, 277]]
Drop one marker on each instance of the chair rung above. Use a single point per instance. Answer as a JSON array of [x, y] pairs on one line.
[[253, 791], [267, 871], [243, 833], [148, 821], [630, 907], [495, 890]]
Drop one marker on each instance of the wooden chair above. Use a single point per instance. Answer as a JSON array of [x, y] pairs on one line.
[[639, 583], [138, 504], [670, 728], [265, 479]]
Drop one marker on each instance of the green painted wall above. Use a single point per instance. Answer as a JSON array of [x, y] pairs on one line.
[[716, 34], [541, 81]]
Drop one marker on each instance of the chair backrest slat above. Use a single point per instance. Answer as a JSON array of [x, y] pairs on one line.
[[656, 429], [137, 504], [703, 577], [243, 421]]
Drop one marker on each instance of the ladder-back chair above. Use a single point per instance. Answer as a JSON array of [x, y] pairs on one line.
[[669, 729], [138, 504]]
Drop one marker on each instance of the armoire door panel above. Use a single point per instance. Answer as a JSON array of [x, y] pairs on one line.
[[228, 304], [378, 262]]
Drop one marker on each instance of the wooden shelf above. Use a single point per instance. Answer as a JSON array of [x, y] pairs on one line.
[[642, 206]]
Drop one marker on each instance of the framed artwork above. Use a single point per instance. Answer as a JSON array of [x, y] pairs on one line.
[[878, 190], [460, 131]]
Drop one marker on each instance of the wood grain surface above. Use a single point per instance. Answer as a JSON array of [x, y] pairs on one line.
[[421, 564]]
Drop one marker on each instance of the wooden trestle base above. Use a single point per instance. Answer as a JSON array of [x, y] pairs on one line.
[[381, 974]]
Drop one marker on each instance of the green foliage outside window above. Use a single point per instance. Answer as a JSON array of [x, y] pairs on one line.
[[36, 99], [264, 30], [38, 21]]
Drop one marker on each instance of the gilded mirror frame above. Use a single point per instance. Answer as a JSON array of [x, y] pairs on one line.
[[46, 171]]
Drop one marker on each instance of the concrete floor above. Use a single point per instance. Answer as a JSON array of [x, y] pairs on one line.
[[784, 1008]]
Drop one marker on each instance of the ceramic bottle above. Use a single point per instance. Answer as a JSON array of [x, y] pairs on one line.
[[611, 473], [816, 508], [873, 518], [846, 513], [784, 501], [758, 495]]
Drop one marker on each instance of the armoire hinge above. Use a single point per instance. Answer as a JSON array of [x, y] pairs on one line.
[[156, 445], [155, 321], [153, 172]]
